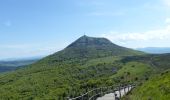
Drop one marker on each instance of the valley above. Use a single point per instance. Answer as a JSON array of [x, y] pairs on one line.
[[6, 66]]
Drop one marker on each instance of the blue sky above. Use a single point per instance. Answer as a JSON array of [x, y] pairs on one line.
[[41, 27]]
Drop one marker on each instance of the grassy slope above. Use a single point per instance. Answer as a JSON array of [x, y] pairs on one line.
[[51, 80], [55, 80], [133, 71], [84, 64], [159, 62], [157, 88]]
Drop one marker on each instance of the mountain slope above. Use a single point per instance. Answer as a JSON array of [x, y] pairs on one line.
[[89, 47], [157, 85], [157, 88], [87, 62], [160, 62]]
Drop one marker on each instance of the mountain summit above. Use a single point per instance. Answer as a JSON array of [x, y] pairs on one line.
[[92, 47], [87, 41]]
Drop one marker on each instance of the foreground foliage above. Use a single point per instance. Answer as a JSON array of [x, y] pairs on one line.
[[157, 88]]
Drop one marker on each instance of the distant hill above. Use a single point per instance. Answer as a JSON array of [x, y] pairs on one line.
[[15, 64], [155, 50]]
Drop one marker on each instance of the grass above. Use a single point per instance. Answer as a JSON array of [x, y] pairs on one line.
[[157, 88], [56, 81], [133, 71]]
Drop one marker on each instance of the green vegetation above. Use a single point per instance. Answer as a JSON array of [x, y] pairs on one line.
[[158, 61], [133, 72], [56, 81], [88, 48], [157, 88], [85, 64]]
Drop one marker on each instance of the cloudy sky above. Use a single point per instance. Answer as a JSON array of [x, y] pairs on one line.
[[40, 27]]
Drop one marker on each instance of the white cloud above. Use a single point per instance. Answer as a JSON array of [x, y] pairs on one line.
[[149, 35], [148, 38]]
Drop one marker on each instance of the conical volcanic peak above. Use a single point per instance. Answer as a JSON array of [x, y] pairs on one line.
[[90, 41], [91, 47]]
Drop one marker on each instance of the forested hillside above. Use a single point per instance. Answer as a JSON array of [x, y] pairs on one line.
[[85, 64]]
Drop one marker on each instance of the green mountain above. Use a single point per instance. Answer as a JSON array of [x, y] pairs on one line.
[[83, 65], [88, 47]]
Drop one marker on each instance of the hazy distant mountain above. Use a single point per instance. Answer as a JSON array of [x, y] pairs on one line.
[[14, 64], [155, 50], [22, 58]]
